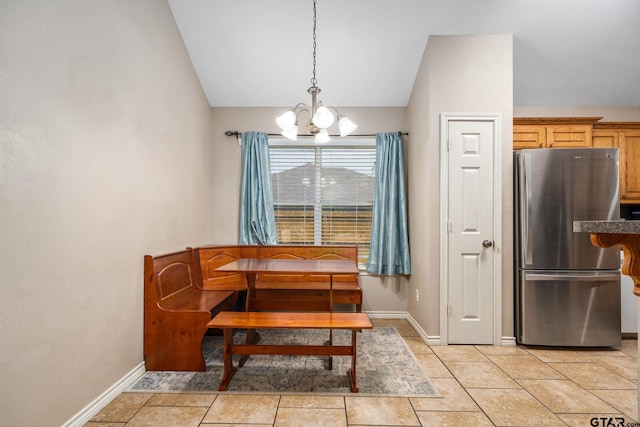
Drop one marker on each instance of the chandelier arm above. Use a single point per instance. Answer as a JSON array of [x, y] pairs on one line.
[[306, 108], [299, 108]]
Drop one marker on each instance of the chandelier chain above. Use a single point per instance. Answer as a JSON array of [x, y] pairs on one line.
[[314, 81]]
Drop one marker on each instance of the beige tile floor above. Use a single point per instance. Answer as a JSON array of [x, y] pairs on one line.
[[480, 386]]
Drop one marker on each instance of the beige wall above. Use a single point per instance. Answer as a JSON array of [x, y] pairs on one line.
[[381, 294], [104, 157], [458, 74]]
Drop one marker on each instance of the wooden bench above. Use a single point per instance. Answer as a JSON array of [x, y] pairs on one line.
[[298, 292], [228, 321], [176, 312]]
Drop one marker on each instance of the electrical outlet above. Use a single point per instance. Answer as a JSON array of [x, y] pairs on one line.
[[417, 295]]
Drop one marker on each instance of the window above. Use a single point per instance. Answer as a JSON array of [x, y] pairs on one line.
[[323, 194]]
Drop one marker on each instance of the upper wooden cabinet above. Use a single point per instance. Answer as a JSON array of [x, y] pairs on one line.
[[528, 136], [625, 136], [553, 132]]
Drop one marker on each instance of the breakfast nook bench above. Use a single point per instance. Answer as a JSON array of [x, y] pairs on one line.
[[184, 290], [228, 321], [176, 312]]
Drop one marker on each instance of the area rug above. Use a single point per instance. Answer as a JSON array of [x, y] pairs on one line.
[[385, 367]]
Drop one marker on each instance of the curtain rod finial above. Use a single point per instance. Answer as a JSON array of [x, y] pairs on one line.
[[235, 133]]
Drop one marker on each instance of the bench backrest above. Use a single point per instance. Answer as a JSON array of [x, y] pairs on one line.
[[209, 258], [308, 252], [170, 278]]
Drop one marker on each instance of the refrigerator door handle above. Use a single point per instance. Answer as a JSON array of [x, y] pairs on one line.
[[526, 212], [556, 277]]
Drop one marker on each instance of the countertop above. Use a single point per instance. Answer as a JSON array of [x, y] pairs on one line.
[[613, 227]]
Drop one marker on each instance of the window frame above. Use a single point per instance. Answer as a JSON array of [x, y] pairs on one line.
[[318, 207]]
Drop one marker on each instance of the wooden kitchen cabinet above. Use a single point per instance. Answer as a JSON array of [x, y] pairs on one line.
[[625, 136], [528, 136], [605, 138], [553, 132]]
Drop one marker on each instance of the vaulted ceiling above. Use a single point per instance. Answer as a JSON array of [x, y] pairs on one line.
[[259, 52]]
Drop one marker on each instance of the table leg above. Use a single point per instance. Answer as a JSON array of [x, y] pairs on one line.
[[227, 357], [329, 365], [252, 336], [331, 292], [330, 362], [251, 290], [352, 371]]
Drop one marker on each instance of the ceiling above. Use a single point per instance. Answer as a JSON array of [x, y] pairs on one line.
[[256, 53]]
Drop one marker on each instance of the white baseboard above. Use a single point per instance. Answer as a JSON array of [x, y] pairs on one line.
[[508, 341], [435, 340], [387, 314], [103, 400], [428, 339]]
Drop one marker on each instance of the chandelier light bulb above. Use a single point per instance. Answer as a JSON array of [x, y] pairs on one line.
[[323, 118], [287, 121], [346, 126], [322, 137], [291, 134]]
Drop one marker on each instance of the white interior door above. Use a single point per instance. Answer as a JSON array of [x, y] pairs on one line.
[[470, 231]]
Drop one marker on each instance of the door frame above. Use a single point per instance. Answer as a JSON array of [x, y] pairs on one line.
[[496, 120]]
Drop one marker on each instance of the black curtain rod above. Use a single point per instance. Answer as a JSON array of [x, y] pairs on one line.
[[238, 134]]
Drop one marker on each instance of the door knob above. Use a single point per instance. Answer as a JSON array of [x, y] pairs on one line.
[[487, 243]]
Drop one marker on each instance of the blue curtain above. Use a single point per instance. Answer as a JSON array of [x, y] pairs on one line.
[[257, 218], [389, 237]]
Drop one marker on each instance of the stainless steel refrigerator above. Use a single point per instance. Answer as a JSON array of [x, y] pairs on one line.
[[567, 290]]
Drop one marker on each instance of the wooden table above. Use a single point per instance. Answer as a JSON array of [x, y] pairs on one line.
[[252, 266]]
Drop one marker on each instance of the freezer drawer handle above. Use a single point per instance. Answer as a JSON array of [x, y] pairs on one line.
[[556, 277]]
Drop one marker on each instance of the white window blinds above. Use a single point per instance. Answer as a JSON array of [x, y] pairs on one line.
[[323, 194]]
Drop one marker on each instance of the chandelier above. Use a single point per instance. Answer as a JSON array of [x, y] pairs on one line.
[[320, 117]]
